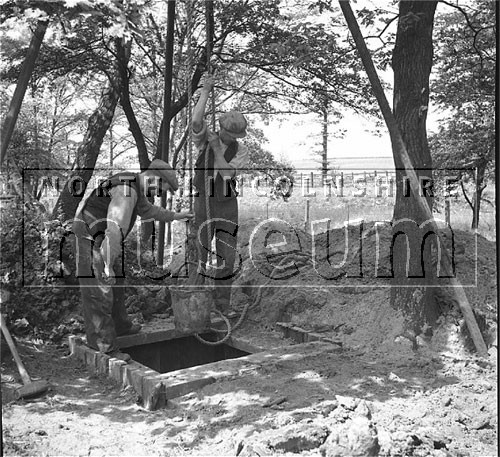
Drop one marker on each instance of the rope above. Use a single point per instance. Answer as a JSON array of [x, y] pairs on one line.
[[188, 174], [209, 27], [230, 329], [189, 65], [207, 189], [207, 149], [209, 35], [212, 108]]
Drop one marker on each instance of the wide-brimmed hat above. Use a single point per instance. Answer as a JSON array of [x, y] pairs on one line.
[[165, 172], [234, 123]]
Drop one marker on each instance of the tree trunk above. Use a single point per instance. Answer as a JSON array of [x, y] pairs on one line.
[[21, 86], [400, 151], [476, 206], [324, 152], [167, 114], [111, 147], [412, 62], [123, 56], [180, 104], [88, 151]]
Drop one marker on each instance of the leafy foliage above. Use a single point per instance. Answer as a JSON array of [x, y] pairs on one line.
[[465, 57], [464, 88], [41, 288], [277, 174]]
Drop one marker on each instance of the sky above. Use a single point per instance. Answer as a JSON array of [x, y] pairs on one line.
[[295, 140], [359, 148]]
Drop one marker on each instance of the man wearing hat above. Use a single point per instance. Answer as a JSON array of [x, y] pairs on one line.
[[103, 221], [226, 157]]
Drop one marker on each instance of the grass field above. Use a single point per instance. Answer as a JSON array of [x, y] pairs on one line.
[[341, 210]]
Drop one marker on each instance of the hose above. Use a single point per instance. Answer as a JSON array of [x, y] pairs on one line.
[[230, 329]]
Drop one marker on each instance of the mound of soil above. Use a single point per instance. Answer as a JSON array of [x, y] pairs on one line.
[[338, 282]]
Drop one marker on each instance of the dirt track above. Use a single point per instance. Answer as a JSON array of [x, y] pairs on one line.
[[419, 405]]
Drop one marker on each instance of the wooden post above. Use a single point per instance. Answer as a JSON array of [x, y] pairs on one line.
[[167, 103], [447, 211], [399, 149], [306, 215]]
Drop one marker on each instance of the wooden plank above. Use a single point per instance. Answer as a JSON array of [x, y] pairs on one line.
[[145, 337], [155, 388], [148, 336], [299, 335], [181, 382], [243, 345]]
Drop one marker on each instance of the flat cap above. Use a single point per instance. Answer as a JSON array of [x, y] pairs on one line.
[[234, 123]]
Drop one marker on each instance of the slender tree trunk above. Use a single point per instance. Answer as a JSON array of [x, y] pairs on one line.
[[111, 147], [21, 86], [123, 56], [167, 110], [181, 103], [475, 210], [324, 154], [88, 151], [412, 62], [479, 185]]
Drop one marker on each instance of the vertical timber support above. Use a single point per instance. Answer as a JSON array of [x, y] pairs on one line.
[[167, 108]]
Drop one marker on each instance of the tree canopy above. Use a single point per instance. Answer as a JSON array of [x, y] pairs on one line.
[[463, 88]]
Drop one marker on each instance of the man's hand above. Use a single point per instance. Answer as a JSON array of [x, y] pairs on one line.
[[108, 271], [183, 216], [215, 143], [104, 273], [108, 276], [208, 84]]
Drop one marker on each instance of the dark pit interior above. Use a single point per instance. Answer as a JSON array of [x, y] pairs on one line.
[[185, 352]]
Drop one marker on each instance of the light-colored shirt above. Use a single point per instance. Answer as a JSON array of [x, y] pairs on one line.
[[239, 161], [124, 199]]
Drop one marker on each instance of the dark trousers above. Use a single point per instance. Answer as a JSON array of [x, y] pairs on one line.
[[223, 225], [104, 310]]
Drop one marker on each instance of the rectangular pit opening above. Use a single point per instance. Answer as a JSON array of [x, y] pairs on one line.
[[184, 352], [167, 364]]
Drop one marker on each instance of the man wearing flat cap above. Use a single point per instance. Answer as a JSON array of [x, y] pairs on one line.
[[103, 221], [226, 157]]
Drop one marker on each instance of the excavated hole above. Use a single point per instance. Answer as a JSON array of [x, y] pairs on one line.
[[186, 352]]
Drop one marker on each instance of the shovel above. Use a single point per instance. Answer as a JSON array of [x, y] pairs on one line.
[[30, 388]]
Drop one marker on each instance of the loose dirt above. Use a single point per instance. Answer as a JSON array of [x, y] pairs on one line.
[[387, 393]]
